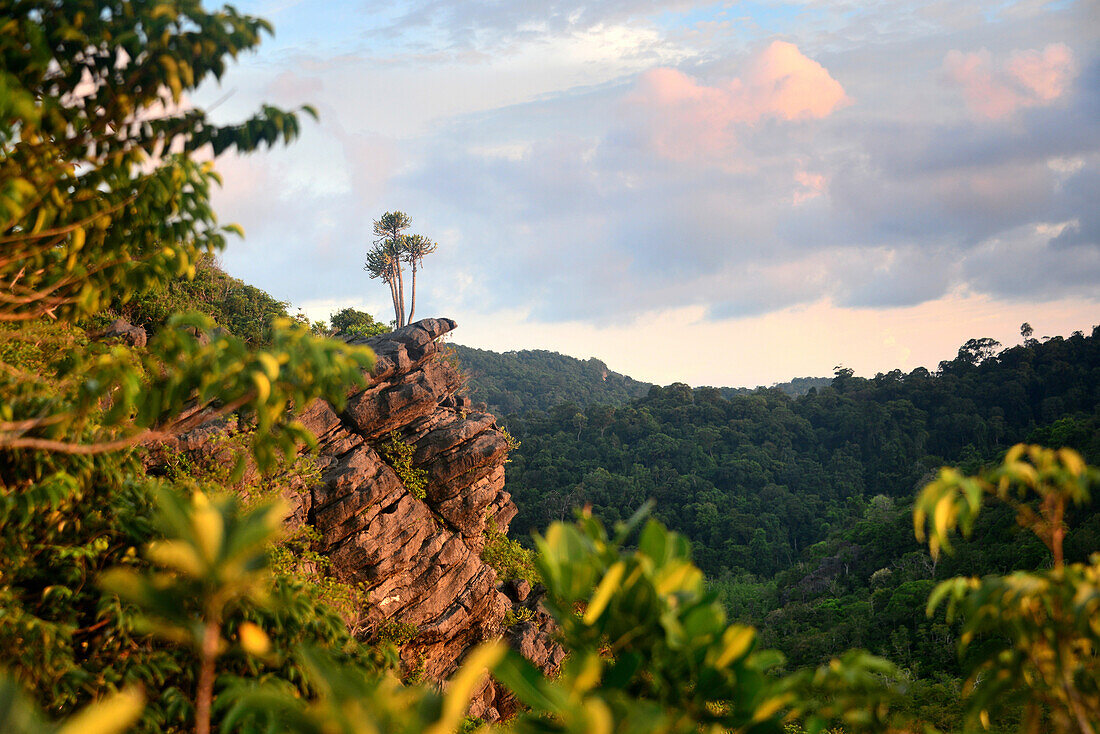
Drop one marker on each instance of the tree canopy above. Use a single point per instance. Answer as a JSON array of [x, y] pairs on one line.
[[392, 250]]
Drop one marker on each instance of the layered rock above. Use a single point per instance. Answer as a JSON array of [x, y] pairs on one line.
[[419, 556]]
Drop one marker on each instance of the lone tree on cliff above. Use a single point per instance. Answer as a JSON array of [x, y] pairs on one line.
[[392, 248], [416, 247]]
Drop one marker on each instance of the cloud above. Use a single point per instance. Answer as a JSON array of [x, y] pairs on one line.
[[496, 27], [1027, 78], [685, 119], [680, 345], [1082, 189], [808, 186], [609, 172], [1021, 264]]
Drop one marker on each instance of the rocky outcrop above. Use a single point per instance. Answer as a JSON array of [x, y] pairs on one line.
[[135, 336], [416, 553], [419, 556]]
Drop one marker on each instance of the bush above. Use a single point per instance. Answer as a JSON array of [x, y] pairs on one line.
[[507, 557], [399, 455]]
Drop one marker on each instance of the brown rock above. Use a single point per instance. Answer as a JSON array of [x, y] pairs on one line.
[[135, 336], [519, 589], [418, 558]]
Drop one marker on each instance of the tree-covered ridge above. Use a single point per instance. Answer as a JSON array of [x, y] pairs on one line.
[[793, 387], [236, 307], [241, 309], [512, 383], [798, 507], [517, 382], [756, 479]]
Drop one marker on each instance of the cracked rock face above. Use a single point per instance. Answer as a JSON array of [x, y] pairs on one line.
[[419, 557]]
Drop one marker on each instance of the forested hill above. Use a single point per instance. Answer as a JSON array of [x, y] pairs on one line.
[[797, 386], [518, 382], [755, 479], [512, 383], [799, 508]]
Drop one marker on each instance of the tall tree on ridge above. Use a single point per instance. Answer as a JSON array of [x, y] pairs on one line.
[[389, 247], [390, 250], [379, 264], [416, 247]]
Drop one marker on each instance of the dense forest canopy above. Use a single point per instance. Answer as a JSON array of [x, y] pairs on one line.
[[755, 479], [517, 382], [798, 507]]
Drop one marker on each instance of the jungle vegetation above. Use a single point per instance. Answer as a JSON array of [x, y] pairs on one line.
[[139, 592], [799, 508]]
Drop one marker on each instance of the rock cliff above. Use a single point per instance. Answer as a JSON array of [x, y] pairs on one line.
[[419, 556]]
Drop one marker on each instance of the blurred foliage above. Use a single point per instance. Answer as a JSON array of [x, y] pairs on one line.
[[507, 557], [212, 557], [114, 714], [650, 649], [1037, 633]]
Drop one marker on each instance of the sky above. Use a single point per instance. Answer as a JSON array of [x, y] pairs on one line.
[[715, 193]]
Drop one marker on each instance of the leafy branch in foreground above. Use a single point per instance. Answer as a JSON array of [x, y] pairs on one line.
[[100, 193], [651, 650], [1035, 636], [214, 557], [114, 714], [124, 397], [105, 198]]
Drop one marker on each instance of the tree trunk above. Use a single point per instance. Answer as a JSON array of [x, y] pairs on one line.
[[204, 696], [401, 293], [393, 297], [412, 305]]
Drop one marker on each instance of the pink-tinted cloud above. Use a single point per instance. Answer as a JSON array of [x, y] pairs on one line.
[[1028, 78], [809, 186], [686, 119], [784, 83]]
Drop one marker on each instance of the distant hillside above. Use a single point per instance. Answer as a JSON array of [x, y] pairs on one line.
[[795, 388], [518, 382]]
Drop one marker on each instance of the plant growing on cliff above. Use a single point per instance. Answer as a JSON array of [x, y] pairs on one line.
[[399, 455], [512, 441], [507, 557], [517, 615]]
